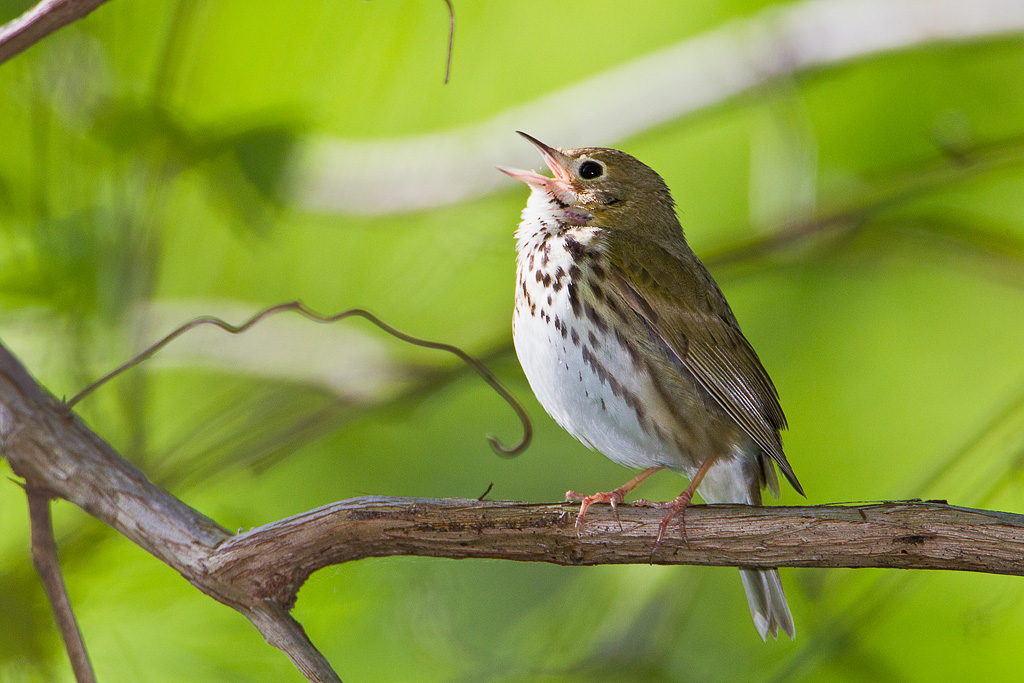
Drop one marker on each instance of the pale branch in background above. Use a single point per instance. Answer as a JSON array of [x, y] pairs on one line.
[[21, 33], [259, 572], [889, 189], [353, 176]]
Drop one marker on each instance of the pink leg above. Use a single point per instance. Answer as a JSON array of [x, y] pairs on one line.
[[679, 505], [613, 498]]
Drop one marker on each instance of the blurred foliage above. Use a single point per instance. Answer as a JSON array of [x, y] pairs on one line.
[[144, 157]]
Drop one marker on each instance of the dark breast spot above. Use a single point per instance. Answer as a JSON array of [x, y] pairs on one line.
[[558, 277], [634, 355], [574, 248], [614, 308], [595, 318], [574, 299]]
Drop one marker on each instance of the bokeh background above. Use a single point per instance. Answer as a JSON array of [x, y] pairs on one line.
[[167, 158]]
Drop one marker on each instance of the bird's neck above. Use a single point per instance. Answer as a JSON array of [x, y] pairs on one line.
[[547, 216]]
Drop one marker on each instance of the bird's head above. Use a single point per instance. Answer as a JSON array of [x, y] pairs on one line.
[[601, 187]]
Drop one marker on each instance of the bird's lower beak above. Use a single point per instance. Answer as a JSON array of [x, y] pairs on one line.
[[556, 161], [529, 177]]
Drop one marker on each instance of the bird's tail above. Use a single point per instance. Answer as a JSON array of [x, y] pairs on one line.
[[740, 481], [767, 602]]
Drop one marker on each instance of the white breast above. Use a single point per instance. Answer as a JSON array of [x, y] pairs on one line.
[[575, 365]]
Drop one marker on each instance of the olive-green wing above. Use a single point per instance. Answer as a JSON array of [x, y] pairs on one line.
[[681, 303]]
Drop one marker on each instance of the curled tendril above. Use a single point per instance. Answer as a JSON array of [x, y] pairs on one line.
[[300, 308]]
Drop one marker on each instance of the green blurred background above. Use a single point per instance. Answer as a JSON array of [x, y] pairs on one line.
[[148, 165]]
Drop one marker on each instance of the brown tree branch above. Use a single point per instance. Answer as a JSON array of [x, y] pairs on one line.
[[21, 33], [44, 558], [260, 572], [274, 559]]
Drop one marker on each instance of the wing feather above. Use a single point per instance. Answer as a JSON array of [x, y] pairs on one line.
[[704, 336]]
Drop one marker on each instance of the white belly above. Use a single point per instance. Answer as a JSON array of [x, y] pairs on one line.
[[578, 370]]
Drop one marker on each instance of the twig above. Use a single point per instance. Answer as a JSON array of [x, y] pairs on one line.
[[47, 564], [305, 311], [21, 33], [451, 40], [283, 632]]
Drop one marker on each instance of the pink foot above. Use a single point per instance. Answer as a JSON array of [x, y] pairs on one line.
[[613, 498], [675, 507]]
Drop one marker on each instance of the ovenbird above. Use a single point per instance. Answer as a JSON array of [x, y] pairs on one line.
[[629, 344]]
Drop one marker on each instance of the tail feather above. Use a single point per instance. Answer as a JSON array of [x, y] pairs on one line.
[[739, 480], [767, 603]]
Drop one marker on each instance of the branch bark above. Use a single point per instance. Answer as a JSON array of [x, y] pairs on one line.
[[21, 33], [274, 559], [260, 572]]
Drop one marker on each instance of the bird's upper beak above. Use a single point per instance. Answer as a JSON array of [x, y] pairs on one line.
[[556, 161]]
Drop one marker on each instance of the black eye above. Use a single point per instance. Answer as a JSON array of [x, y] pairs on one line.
[[590, 170]]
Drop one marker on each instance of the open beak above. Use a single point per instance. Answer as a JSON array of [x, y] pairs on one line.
[[556, 161]]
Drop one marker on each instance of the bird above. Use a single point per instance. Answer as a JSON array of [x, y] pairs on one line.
[[629, 344]]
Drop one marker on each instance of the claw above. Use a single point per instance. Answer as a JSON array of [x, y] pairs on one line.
[[675, 507], [679, 505], [613, 498]]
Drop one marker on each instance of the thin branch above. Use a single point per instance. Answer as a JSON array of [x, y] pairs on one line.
[[302, 309], [451, 40], [47, 564], [283, 632], [21, 33]]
